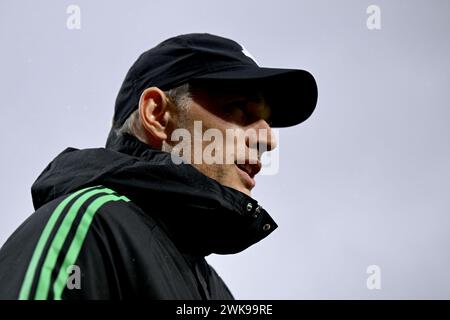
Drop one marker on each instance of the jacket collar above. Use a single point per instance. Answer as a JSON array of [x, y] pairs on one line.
[[201, 215], [198, 213]]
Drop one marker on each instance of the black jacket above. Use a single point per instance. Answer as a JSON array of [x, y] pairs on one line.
[[133, 223]]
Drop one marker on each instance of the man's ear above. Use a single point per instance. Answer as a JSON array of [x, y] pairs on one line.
[[154, 115]]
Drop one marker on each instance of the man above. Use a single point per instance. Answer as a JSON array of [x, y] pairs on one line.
[[137, 218]]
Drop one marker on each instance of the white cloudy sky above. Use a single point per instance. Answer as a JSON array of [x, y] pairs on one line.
[[365, 181]]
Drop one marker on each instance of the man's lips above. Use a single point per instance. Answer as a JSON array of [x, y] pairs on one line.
[[251, 169], [248, 172]]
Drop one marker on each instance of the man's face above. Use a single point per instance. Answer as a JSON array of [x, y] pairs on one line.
[[235, 112]]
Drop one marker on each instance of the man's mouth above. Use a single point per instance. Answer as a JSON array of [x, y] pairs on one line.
[[248, 172]]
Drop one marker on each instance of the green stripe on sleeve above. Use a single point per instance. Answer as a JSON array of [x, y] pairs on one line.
[[77, 242], [58, 242], [43, 239]]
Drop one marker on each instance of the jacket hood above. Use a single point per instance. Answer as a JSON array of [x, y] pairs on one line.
[[200, 214]]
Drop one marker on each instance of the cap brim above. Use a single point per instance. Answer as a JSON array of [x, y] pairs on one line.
[[291, 93]]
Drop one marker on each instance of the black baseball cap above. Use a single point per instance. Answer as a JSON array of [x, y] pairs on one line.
[[291, 93]]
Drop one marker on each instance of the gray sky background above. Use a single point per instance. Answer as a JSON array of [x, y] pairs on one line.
[[365, 181]]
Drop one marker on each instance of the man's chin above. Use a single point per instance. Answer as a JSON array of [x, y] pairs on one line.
[[233, 180]]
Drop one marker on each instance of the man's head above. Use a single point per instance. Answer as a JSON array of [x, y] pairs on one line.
[[209, 93], [239, 116]]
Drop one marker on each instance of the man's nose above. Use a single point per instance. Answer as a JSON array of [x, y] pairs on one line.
[[266, 140]]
